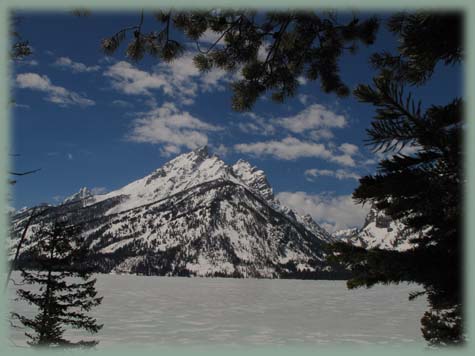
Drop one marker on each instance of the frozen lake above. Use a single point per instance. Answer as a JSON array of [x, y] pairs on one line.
[[147, 311]]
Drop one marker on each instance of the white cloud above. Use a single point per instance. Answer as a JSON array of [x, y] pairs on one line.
[[292, 148], [255, 124], [151, 102], [321, 134], [302, 80], [56, 94], [314, 122], [182, 71], [99, 190], [210, 37], [214, 79], [169, 150], [221, 150], [69, 156], [171, 127], [303, 98], [289, 148], [130, 80], [21, 106], [338, 174], [179, 79], [30, 62], [263, 51], [348, 148], [345, 160], [315, 116], [76, 67], [369, 162], [330, 211], [122, 103]]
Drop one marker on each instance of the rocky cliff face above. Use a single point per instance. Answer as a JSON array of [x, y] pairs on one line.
[[193, 216]]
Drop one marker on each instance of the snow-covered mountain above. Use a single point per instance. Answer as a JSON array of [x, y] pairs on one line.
[[378, 231], [195, 215]]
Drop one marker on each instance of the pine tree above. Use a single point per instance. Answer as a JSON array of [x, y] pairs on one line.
[[422, 189], [294, 44], [19, 48], [64, 292]]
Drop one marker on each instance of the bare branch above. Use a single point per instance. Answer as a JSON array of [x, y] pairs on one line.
[[24, 173]]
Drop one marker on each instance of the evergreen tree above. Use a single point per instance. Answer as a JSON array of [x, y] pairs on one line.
[[19, 48], [292, 44], [422, 189], [64, 292]]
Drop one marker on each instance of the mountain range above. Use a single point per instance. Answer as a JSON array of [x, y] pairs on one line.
[[198, 216], [195, 216]]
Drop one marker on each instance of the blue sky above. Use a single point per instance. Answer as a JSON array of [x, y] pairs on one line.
[[90, 120]]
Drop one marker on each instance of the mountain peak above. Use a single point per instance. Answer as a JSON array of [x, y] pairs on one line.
[[83, 193], [240, 161], [202, 151], [254, 178]]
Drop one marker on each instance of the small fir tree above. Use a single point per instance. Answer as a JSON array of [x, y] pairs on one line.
[[64, 293]]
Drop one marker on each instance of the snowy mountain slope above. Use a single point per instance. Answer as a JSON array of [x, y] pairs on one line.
[[378, 231], [193, 216], [317, 230]]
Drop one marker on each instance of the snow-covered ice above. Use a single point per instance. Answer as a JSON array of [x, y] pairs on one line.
[[147, 311]]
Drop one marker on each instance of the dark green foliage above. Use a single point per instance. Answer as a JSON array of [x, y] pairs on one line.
[[426, 39], [60, 301], [442, 326], [81, 12], [19, 48], [423, 189], [271, 50]]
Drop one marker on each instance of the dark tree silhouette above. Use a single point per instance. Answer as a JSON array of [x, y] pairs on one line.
[[295, 44], [422, 189], [20, 48], [13, 181], [64, 292]]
